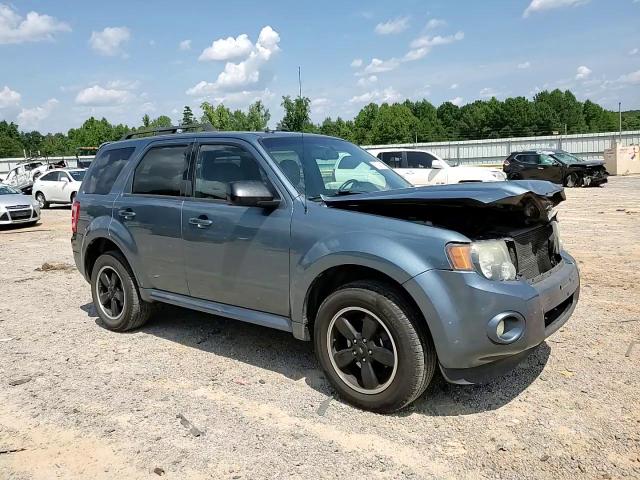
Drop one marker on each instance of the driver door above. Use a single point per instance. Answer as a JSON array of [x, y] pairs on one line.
[[549, 169]]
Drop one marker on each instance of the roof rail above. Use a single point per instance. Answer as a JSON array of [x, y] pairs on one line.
[[205, 127]]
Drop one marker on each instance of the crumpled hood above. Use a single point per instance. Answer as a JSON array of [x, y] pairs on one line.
[[473, 193], [588, 163]]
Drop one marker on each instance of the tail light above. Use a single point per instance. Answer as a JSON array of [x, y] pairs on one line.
[[75, 213]]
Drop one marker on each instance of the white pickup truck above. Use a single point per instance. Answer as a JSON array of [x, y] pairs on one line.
[[421, 167]]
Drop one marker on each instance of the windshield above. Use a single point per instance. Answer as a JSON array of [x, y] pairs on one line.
[[565, 157], [330, 166], [77, 175], [7, 190]]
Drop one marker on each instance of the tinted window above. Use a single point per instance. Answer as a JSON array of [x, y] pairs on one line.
[[51, 177], [219, 165], [545, 160], [160, 171], [528, 158], [419, 160], [105, 170], [393, 159]]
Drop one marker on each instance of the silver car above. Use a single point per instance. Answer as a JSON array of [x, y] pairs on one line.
[[16, 207]]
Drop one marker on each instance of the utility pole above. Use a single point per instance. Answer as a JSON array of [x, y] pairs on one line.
[[620, 118]]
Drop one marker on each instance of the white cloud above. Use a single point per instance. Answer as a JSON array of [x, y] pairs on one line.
[[32, 28], [227, 49], [583, 72], [435, 23], [356, 63], [109, 42], [524, 65], [634, 51], [458, 101], [320, 105], [30, 118], [99, 96], [454, 86], [387, 95], [185, 45], [632, 78], [541, 5], [9, 98], [379, 66], [366, 81], [123, 84], [429, 42], [246, 75], [421, 46], [392, 27]]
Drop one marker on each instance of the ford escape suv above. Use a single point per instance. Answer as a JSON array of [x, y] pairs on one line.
[[389, 281]]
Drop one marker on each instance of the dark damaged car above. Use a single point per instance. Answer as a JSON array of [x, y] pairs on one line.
[[555, 166], [388, 281]]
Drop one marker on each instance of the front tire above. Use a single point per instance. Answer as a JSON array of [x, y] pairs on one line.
[[372, 346], [42, 200], [572, 180], [115, 294]]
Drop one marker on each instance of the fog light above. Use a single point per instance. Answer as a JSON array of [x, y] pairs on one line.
[[506, 327]]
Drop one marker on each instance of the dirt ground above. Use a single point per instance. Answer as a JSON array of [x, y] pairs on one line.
[[195, 396]]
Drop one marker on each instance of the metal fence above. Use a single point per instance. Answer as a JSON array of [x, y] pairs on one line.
[[590, 146]]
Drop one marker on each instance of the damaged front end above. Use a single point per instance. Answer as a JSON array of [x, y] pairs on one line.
[[520, 215]]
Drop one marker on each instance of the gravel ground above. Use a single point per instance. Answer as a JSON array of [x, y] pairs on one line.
[[196, 396]]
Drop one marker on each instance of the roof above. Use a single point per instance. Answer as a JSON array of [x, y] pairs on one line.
[[398, 149], [540, 150], [248, 136]]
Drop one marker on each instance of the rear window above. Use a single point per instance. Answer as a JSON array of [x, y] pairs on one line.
[[105, 170]]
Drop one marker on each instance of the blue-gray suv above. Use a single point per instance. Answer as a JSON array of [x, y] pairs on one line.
[[313, 235]]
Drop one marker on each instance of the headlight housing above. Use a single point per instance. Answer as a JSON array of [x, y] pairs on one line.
[[490, 258]]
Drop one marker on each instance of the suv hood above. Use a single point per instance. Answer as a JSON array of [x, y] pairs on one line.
[[470, 208], [588, 163]]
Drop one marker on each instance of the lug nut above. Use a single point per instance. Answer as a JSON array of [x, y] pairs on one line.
[[369, 352]]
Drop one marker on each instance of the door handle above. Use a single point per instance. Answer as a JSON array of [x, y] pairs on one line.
[[201, 222], [540, 168], [127, 213]]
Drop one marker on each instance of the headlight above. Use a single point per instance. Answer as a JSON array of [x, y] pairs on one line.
[[490, 258]]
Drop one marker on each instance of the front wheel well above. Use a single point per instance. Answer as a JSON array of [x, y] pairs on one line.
[[94, 250], [334, 278]]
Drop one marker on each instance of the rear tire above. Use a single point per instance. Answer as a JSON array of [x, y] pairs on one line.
[[115, 294], [395, 347], [42, 200]]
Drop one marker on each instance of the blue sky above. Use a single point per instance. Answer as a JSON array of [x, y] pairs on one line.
[[63, 61]]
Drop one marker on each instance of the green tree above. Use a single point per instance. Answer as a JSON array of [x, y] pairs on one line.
[[296, 115], [258, 117], [449, 116], [394, 124], [188, 118], [146, 121], [363, 124]]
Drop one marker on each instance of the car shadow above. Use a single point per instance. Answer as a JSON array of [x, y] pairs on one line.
[[279, 352]]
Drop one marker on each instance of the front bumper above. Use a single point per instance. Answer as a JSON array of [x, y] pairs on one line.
[[17, 216], [459, 305]]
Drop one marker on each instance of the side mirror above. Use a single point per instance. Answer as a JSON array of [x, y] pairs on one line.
[[250, 193]]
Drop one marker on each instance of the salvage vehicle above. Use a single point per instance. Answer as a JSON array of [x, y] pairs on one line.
[[24, 174], [422, 167], [16, 207], [57, 186], [556, 166], [389, 281]]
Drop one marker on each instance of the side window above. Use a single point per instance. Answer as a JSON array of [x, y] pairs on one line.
[[393, 159], [50, 177], [528, 158], [546, 160], [219, 165], [105, 170], [160, 171], [419, 160]]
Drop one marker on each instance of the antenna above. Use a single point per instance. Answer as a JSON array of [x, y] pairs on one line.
[[304, 194]]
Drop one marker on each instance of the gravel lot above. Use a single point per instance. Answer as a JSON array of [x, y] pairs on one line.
[[84, 402]]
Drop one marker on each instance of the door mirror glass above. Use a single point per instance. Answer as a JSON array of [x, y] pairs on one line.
[[251, 193]]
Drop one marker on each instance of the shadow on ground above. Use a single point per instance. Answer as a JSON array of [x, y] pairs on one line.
[[279, 352]]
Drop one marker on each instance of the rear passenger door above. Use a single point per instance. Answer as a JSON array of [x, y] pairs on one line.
[[528, 165], [235, 255], [150, 209]]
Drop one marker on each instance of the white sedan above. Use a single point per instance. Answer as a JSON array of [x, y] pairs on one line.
[[57, 186], [421, 167]]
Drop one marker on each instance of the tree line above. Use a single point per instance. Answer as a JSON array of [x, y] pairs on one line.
[[549, 113]]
